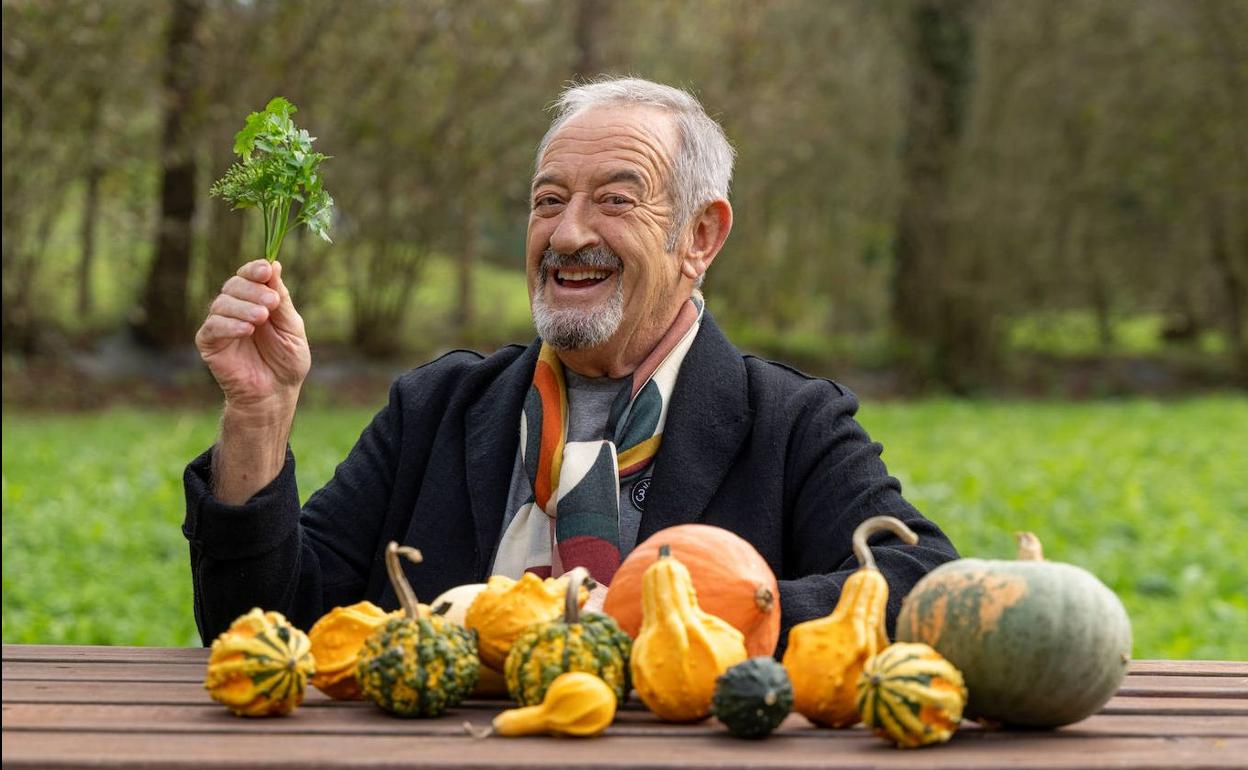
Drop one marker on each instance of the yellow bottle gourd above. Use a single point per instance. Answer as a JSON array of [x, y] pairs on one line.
[[337, 639], [260, 665], [825, 656], [681, 650], [506, 609], [576, 703]]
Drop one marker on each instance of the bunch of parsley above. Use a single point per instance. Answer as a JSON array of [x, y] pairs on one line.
[[277, 170]]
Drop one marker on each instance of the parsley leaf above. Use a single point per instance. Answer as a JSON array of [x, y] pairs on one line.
[[277, 170]]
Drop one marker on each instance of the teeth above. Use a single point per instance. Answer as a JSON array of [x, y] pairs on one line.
[[582, 275]]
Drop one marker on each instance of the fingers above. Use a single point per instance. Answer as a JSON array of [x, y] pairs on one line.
[[250, 291], [284, 312], [218, 330], [240, 309], [258, 270]]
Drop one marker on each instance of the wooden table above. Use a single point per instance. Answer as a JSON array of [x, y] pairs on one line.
[[146, 707]]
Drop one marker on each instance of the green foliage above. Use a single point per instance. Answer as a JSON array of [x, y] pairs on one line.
[[1073, 333], [1147, 495], [278, 169]]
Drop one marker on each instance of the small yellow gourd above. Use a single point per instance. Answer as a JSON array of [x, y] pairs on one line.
[[681, 650], [260, 665], [506, 608], [825, 656], [576, 703], [336, 642], [911, 695]]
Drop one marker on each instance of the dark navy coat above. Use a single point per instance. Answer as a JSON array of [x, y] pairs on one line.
[[749, 445]]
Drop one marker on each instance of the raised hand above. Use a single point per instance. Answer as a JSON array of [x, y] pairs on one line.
[[254, 341], [255, 344]]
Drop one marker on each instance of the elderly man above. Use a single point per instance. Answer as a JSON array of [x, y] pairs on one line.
[[630, 413]]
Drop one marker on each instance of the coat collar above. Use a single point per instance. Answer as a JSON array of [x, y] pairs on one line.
[[708, 420], [493, 436]]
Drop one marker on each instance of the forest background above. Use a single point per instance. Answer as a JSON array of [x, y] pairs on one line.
[[1018, 229]]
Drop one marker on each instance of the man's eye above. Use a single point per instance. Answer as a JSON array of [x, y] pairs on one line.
[[618, 200], [546, 200]]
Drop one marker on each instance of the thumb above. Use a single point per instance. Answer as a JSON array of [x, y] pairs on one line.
[[284, 314]]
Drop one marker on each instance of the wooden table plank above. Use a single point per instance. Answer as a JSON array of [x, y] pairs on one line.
[[98, 653], [52, 671], [967, 750], [1190, 667], [1135, 685], [103, 654], [192, 671], [1151, 685], [366, 719], [108, 707], [179, 693]]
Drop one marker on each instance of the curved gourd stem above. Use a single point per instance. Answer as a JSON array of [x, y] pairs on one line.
[[572, 609], [478, 732], [407, 597], [876, 524], [1029, 548]]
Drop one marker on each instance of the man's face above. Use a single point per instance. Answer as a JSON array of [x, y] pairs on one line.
[[597, 261]]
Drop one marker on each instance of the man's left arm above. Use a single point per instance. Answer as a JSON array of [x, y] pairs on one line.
[[834, 481]]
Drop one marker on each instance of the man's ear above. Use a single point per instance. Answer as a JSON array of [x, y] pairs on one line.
[[708, 231]]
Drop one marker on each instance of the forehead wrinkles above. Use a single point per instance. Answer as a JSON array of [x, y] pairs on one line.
[[636, 144]]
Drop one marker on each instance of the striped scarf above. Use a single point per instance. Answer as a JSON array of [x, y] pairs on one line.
[[573, 516]]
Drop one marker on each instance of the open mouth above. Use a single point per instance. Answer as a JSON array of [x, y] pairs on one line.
[[580, 277]]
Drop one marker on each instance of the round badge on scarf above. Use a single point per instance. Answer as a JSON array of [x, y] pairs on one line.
[[640, 490]]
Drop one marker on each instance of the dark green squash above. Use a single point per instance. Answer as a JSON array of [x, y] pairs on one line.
[[753, 697], [413, 666], [1039, 644], [592, 643]]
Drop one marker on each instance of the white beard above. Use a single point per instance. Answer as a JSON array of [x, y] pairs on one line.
[[577, 328]]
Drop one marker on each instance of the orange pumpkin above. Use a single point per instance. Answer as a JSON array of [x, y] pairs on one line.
[[731, 578]]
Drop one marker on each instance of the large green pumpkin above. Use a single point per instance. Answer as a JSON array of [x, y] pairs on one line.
[[593, 643], [413, 666], [1039, 644]]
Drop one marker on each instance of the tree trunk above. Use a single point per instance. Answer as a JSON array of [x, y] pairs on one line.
[[165, 321], [935, 300], [587, 36], [465, 310], [90, 206], [1234, 286]]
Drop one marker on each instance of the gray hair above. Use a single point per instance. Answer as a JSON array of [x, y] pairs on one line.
[[702, 168]]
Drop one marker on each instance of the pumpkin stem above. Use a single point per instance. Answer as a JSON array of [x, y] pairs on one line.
[[1029, 548], [407, 597], [876, 524], [763, 599], [572, 610], [665, 552]]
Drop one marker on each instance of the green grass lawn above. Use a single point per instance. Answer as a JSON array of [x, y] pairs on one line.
[[1152, 497]]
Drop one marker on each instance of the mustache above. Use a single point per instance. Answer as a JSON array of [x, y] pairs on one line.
[[593, 256]]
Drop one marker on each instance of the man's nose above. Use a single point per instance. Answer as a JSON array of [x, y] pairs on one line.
[[574, 230]]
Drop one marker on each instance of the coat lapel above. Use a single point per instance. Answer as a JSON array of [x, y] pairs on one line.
[[708, 420], [493, 435]]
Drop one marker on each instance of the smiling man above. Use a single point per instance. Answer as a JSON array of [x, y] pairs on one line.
[[631, 412]]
